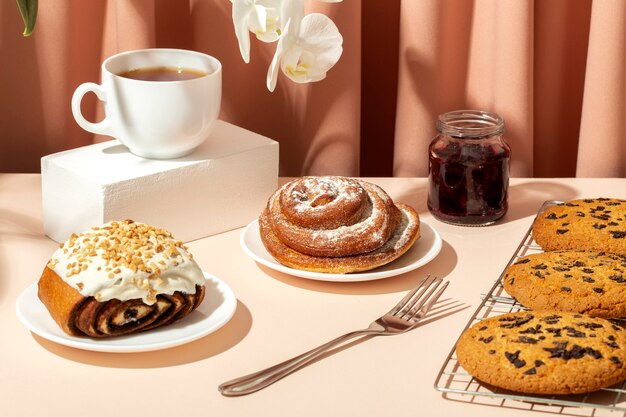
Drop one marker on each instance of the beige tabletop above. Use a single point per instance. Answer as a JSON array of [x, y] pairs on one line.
[[278, 316]]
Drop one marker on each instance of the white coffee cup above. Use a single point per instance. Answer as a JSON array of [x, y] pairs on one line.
[[156, 119]]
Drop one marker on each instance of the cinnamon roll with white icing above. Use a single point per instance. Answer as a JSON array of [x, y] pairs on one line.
[[119, 278], [336, 225]]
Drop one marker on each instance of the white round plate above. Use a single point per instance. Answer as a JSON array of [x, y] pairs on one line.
[[217, 309], [423, 251]]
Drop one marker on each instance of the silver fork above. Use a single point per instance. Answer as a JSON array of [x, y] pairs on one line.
[[403, 317]]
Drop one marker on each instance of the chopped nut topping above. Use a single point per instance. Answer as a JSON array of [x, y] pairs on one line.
[[123, 246]]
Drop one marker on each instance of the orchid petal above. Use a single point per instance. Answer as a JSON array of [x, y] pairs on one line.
[[319, 35], [271, 30], [257, 19], [284, 43], [292, 11], [316, 50], [241, 11], [299, 66]]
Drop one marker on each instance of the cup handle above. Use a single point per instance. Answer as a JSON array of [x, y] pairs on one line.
[[103, 127]]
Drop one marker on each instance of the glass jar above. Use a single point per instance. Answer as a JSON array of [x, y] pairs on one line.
[[468, 168]]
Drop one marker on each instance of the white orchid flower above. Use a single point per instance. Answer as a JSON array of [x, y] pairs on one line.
[[261, 17], [308, 48]]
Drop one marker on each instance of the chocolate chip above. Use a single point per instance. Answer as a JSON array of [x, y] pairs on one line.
[[551, 216], [522, 261], [615, 360], [532, 330], [514, 321], [619, 278], [514, 359], [604, 217], [527, 340], [579, 264], [596, 354], [561, 231], [613, 203], [611, 337], [492, 352], [539, 266], [566, 289], [580, 214], [572, 332], [486, 340], [562, 216], [598, 290], [572, 205], [538, 274], [588, 271], [599, 226], [512, 281], [618, 234], [591, 326], [613, 224], [588, 279], [565, 224], [559, 350], [539, 363], [600, 208], [612, 345], [552, 319], [483, 328], [576, 352], [616, 328], [589, 200], [531, 371], [554, 330], [560, 268]]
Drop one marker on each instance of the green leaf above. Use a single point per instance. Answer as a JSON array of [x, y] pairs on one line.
[[28, 10]]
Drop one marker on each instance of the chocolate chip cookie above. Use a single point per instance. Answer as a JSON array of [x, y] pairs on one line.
[[544, 352], [596, 224], [583, 282]]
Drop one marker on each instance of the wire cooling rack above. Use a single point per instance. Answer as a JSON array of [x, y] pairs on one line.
[[459, 385]]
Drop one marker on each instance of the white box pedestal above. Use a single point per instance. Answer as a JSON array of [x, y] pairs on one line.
[[223, 185]]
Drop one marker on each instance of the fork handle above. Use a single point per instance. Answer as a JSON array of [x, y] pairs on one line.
[[258, 380]]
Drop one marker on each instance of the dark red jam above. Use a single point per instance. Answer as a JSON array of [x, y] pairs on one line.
[[468, 179]]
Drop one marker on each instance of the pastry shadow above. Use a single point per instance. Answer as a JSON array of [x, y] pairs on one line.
[[440, 266], [210, 345], [526, 199]]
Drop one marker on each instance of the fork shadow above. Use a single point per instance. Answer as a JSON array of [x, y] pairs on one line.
[[441, 309]]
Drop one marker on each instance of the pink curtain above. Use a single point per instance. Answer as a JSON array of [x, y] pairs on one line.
[[555, 70]]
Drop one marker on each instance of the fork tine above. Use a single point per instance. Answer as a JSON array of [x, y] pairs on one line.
[[422, 297], [417, 295], [428, 301], [402, 303]]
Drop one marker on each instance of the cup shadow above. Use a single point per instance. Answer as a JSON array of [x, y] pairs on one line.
[[115, 149], [211, 345]]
